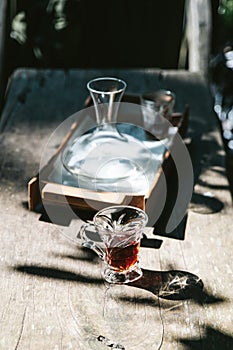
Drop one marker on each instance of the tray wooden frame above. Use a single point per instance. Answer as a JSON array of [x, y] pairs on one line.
[[85, 199]]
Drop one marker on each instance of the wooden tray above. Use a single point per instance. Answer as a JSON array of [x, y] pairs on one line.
[[54, 193]]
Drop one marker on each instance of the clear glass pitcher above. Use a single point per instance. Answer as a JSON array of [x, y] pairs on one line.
[[120, 229], [96, 155], [103, 154]]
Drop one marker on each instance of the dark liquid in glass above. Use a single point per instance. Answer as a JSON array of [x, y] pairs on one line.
[[123, 258]]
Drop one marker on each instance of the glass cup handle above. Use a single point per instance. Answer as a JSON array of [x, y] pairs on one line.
[[88, 243]]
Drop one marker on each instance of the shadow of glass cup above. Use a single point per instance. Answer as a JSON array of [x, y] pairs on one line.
[[120, 229], [157, 109]]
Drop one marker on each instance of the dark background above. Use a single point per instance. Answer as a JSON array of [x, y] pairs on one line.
[[105, 33]]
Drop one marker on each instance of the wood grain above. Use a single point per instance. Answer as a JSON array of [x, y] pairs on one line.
[[52, 292]]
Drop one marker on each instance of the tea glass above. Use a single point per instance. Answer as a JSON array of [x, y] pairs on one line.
[[120, 229], [157, 109]]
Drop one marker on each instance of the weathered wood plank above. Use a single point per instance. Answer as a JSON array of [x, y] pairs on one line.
[[52, 292]]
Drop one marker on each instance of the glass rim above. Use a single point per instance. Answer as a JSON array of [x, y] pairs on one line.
[[121, 207], [107, 79], [150, 96]]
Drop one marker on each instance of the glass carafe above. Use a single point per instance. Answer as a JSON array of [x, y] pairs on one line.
[[104, 154]]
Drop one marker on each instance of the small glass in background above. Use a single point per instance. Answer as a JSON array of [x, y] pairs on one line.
[[157, 109]]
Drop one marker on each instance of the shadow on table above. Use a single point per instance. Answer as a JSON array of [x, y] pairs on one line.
[[50, 272], [64, 219], [169, 285], [205, 203], [213, 339], [59, 215], [168, 183], [175, 285], [203, 158]]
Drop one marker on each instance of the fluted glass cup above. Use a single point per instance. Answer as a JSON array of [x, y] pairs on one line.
[[120, 229]]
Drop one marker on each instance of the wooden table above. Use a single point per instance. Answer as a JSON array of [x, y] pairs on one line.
[[52, 292]]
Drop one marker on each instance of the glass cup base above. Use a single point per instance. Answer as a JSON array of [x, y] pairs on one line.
[[113, 276]]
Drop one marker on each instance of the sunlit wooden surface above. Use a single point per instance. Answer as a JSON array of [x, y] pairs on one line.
[[52, 294]]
